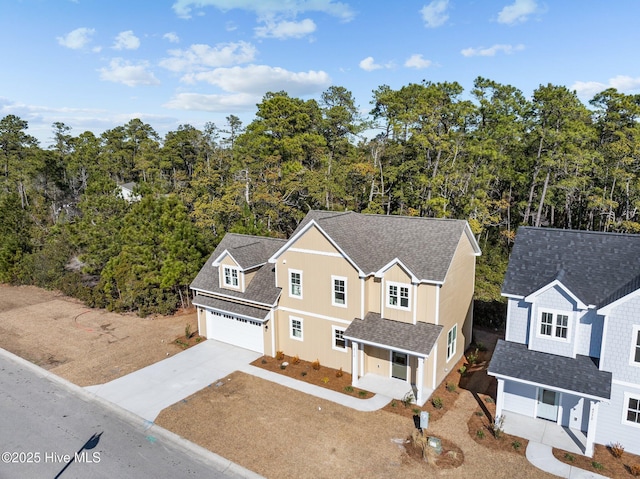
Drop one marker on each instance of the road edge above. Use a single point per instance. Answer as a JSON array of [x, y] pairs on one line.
[[199, 453]]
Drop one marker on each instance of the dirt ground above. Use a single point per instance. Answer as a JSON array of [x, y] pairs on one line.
[[275, 431], [86, 346]]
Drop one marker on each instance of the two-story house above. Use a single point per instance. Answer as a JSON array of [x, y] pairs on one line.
[[571, 353], [371, 294]]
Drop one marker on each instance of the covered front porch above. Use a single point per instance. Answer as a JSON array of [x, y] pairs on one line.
[[390, 357], [545, 432]]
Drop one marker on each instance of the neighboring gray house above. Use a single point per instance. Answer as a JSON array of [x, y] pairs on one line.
[[126, 191], [571, 353]]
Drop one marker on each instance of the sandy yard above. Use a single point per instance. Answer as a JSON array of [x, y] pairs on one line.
[[275, 431]]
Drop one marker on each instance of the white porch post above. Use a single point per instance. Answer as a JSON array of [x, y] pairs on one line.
[[420, 381], [354, 363], [500, 398], [591, 428]]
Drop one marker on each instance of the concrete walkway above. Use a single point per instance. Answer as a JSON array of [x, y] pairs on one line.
[[149, 390], [541, 456]]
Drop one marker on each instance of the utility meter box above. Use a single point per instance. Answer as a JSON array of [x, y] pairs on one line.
[[424, 420]]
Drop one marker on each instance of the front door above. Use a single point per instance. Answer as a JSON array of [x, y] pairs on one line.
[[399, 365], [548, 405]]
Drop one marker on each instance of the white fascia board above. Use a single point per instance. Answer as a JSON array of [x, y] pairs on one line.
[[386, 346], [472, 239], [218, 261], [607, 309], [393, 262], [299, 234], [546, 386], [512, 296], [531, 297], [243, 316]]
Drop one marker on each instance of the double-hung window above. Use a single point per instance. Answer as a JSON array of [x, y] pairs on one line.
[[295, 283], [339, 342], [554, 325], [452, 337], [339, 291], [295, 328], [231, 277], [635, 346], [631, 412], [398, 295]]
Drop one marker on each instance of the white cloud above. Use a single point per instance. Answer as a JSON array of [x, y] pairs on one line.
[[416, 61], [77, 38], [285, 29], [198, 57], [126, 41], [259, 79], [121, 71], [435, 14], [518, 12], [491, 51], [172, 37], [622, 83], [369, 64], [266, 8], [214, 103]]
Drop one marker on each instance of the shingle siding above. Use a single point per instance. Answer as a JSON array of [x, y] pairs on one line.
[[620, 323], [555, 300], [589, 338], [610, 426], [518, 321]]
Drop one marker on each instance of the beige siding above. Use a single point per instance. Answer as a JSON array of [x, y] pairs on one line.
[[397, 275], [427, 296], [373, 288], [456, 305], [248, 276], [314, 240], [377, 361], [227, 260], [202, 322], [317, 341]]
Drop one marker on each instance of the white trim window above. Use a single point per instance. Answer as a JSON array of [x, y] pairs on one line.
[[295, 283], [631, 411], [634, 359], [553, 325], [452, 339], [398, 295], [338, 341], [231, 277], [339, 291], [295, 328]]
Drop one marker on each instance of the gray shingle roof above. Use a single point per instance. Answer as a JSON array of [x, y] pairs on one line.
[[417, 338], [424, 245], [231, 307], [580, 375], [597, 267], [245, 249]]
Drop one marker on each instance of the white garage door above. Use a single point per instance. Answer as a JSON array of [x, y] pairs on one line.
[[234, 330]]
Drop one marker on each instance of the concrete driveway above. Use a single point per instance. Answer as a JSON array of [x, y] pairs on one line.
[[148, 391]]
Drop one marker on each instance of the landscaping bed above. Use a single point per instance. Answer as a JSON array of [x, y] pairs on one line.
[[606, 461], [312, 373]]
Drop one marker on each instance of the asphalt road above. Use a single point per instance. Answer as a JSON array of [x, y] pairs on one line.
[[50, 428]]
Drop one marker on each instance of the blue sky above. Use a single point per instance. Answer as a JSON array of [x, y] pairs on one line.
[[94, 64]]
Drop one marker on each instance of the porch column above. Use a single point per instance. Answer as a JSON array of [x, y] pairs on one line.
[[354, 364], [420, 381], [591, 428], [500, 398]]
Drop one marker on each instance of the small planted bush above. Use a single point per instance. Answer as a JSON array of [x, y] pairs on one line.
[[348, 389], [569, 457], [187, 331], [497, 428], [473, 357], [407, 399], [325, 380], [295, 359], [596, 465], [516, 445], [416, 411], [316, 365], [437, 403], [451, 387], [362, 393], [635, 469], [462, 370], [279, 355], [480, 434], [339, 373], [617, 449]]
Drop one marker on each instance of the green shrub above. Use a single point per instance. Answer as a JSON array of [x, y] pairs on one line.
[[569, 457], [516, 445], [348, 389], [437, 403], [480, 434], [451, 387], [596, 465]]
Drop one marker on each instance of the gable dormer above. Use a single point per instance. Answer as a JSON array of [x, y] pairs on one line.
[[230, 274]]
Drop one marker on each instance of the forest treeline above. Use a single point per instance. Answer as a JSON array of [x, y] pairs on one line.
[[492, 157]]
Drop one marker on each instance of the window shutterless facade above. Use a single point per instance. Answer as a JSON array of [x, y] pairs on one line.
[[295, 328], [295, 283], [231, 276], [635, 346], [339, 291], [631, 412], [452, 337], [398, 295], [339, 342], [553, 325]]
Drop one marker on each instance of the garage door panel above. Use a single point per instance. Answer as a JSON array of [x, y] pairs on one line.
[[234, 330]]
